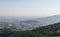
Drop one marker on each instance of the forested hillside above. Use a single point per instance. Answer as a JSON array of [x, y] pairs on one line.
[[51, 30]]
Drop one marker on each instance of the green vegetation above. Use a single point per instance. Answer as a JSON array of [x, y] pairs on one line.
[[52, 30]]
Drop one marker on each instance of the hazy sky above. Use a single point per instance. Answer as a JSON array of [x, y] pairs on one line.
[[29, 7]]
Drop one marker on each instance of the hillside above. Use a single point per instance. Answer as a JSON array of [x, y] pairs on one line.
[[51, 30]]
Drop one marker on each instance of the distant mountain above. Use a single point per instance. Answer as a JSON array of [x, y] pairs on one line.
[[30, 21], [49, 20]]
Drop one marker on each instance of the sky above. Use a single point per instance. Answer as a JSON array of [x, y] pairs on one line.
[[28, 8]]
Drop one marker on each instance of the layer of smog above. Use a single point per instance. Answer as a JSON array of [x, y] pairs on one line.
[[29, 18]]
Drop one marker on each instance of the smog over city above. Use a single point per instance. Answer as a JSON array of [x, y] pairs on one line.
[[29, 18]]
